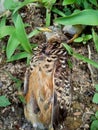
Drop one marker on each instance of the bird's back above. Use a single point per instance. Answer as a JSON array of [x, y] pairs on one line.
[[48, 95]]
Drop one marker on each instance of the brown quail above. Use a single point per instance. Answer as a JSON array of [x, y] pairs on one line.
[[47, 85]]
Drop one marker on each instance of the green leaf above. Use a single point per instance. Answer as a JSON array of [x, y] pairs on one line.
[[95, 38], [18, 56], [4, 101], [48, 17], [22, 99], [33, 33], [6, 30], [11, 4], [82, 17], [67, 2], [95, 98], [68, 48], [94, 125], [21, 35], [96, 86], [48, 3], [11, 45], [79, 39], [79, 56], [57, 11], [94, 2], [87, 37], [96, 114], [83, 38], [3, 21]]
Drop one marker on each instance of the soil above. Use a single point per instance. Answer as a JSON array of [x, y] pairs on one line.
[[84, 77]]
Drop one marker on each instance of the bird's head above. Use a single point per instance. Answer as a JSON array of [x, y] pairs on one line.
[[53, 34]]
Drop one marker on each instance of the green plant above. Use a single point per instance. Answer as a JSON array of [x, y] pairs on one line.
[[81, 3], [21, 40], [84, 38], [94, 119], [17, 37], [95, 97], [4, 101], [79, 56], [94, 124], [48, 4]]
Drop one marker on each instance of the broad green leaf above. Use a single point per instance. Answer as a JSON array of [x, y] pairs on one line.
[[95, 38], [6, 30], [11, 45], [85, 17], [94, 125], [4, 101], [95, 98], [21, 35], [18, 56], [11, 4], [67, 2], [96, 86]]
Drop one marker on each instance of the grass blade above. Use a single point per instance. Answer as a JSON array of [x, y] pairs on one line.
[[18, 56], [48, 18], [12, 45], [85, 59], [79, 56], [67, 2], [33, 33], [21, 35], [57, 11], [95, 38]]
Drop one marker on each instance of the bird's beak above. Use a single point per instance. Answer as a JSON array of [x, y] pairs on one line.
[[44, 29]]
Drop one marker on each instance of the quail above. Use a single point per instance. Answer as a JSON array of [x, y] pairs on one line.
[[47, 85]]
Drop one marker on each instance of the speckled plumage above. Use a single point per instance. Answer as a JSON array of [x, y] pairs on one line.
[[48, 88]]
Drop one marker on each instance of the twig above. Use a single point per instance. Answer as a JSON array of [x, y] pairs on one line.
[[89, 66]]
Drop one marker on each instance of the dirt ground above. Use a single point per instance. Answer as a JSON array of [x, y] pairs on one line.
[[84, 77]]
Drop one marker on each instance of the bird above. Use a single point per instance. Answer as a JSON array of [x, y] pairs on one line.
[[74, 30], [47, 83]]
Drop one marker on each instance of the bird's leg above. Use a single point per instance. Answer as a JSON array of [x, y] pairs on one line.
[[73, 38]]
